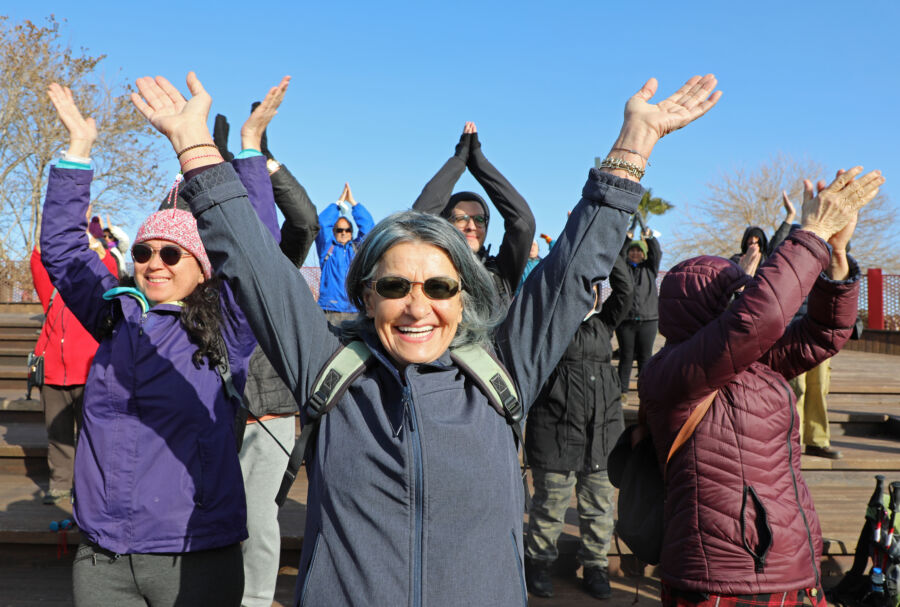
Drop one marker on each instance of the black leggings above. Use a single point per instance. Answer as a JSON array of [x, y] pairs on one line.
[[636, 339]]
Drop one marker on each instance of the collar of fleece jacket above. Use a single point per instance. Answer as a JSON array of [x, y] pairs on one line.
[[694, 293]]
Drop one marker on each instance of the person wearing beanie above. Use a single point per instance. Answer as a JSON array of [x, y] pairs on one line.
[[637, 331], [159, 496], [471, 214]]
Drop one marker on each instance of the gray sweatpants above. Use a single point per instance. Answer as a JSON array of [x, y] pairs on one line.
[[205, 577], [263, 464], [552, 493]]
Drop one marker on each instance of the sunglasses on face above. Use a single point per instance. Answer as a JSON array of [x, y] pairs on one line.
[[397, 287], [169, 254], [462, 220], [342, 230]]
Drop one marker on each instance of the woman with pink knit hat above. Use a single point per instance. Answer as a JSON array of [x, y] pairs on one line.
[[158, 492]]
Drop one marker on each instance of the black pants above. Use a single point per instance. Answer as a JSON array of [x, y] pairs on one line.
[[205, 577], [635, 339]]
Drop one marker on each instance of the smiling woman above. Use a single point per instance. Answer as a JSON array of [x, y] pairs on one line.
[[413, 449]]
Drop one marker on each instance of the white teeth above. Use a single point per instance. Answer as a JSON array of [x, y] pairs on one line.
[[415, 329]]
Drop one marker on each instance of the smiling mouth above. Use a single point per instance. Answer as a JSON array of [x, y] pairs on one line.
[[415, 333]]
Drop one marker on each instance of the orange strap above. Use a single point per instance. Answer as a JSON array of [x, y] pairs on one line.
[[687, 430]]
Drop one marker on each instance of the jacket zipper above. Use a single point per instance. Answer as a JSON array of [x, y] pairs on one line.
[[812, 549], [418, 499]]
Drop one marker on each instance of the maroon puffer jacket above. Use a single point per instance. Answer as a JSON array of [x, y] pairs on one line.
[[739, 517]]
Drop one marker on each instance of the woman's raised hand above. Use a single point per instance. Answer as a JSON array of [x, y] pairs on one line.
[[82, 131], [829, 213], [255, 126], [645, 123], [182, 121]]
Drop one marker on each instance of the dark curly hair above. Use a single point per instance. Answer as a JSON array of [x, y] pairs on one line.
[[201, 317]]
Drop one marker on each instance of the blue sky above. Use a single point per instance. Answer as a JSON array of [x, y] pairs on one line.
[[380, 90]]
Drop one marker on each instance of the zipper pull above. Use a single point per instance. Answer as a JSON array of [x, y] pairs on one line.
[[407, 405]]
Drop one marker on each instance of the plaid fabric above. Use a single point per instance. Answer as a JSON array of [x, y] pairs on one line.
[[672, 597]]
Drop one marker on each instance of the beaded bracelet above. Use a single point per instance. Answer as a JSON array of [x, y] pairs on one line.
[[196, 145], [622, 165]]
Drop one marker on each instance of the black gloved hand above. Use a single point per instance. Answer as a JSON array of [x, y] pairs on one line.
[[462, 148], [474, 144], [264, 140], [220, 137]]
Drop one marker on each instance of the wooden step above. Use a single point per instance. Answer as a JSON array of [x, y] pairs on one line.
[[14, 355]]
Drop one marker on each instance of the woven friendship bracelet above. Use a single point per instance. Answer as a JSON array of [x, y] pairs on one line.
[[636, 153], [196, 145], [622, 165], [189, 160]]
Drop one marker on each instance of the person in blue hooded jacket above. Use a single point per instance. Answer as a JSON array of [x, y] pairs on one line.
[[158, 494], [336, 245]]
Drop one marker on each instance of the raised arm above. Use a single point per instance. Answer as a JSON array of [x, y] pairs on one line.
[[518, 220], [301, 223], [77, 272], [555, 299], [785, 228], [654, 251], [290, 326], [616, 306], [436, 193]]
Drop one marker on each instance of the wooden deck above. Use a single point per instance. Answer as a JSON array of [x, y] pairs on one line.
[[865, 422]]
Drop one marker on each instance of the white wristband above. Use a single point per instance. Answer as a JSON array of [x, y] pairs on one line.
[[65, 156]]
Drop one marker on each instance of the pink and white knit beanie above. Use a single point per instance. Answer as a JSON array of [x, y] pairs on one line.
[[179, 227]]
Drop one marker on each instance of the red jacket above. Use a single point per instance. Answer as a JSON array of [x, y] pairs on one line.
[[67, 347], [738, 514]]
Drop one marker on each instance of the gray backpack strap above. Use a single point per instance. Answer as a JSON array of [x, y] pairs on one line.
[[339, 372], [493, 379]]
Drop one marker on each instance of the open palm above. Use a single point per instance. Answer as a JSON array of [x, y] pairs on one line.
[[167, 110], [687, 104]]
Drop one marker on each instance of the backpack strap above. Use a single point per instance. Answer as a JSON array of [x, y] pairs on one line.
[[327, 255], [687, 430], [344, 366], [241, 412]]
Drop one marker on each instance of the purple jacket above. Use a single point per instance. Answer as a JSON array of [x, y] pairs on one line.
[[156, 469], [738, 514]]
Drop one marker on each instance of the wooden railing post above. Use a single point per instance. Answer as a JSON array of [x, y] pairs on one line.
[[876, 299]]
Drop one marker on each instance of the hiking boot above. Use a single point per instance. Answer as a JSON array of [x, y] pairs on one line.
[[596, 582], [537, 578], [56, 496], [826, 452]]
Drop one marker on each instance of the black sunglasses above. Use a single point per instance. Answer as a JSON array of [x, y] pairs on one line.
[[339, 230], [169, 254], [461, 220], [397, 287]]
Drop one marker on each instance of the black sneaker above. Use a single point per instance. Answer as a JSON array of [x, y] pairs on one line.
[[537, 578], [596, 582]]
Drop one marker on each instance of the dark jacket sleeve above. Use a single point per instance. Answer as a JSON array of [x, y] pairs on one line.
[[553, 302], [275, 298], [654, 254], [778, 237], [822, 331], [436, 193], [518, 220], [615, 308], [301, 221], [74, 269]]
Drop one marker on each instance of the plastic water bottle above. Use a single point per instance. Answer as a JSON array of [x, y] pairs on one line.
[[877, 578]]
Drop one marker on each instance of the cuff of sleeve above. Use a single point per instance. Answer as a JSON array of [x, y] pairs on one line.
[[216, 185], [609, 190], [70, 164], [248, 153], [855, 274], [817, 246]]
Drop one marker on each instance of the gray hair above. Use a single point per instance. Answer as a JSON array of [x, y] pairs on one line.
[[482, 309]]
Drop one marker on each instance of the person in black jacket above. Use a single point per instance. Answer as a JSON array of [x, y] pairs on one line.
[[470, 213], [637, 332], [755, 239], [263, 461], [573, 425]]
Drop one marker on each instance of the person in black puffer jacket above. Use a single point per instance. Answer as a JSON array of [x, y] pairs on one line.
[[572, 427], [637, 332]]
